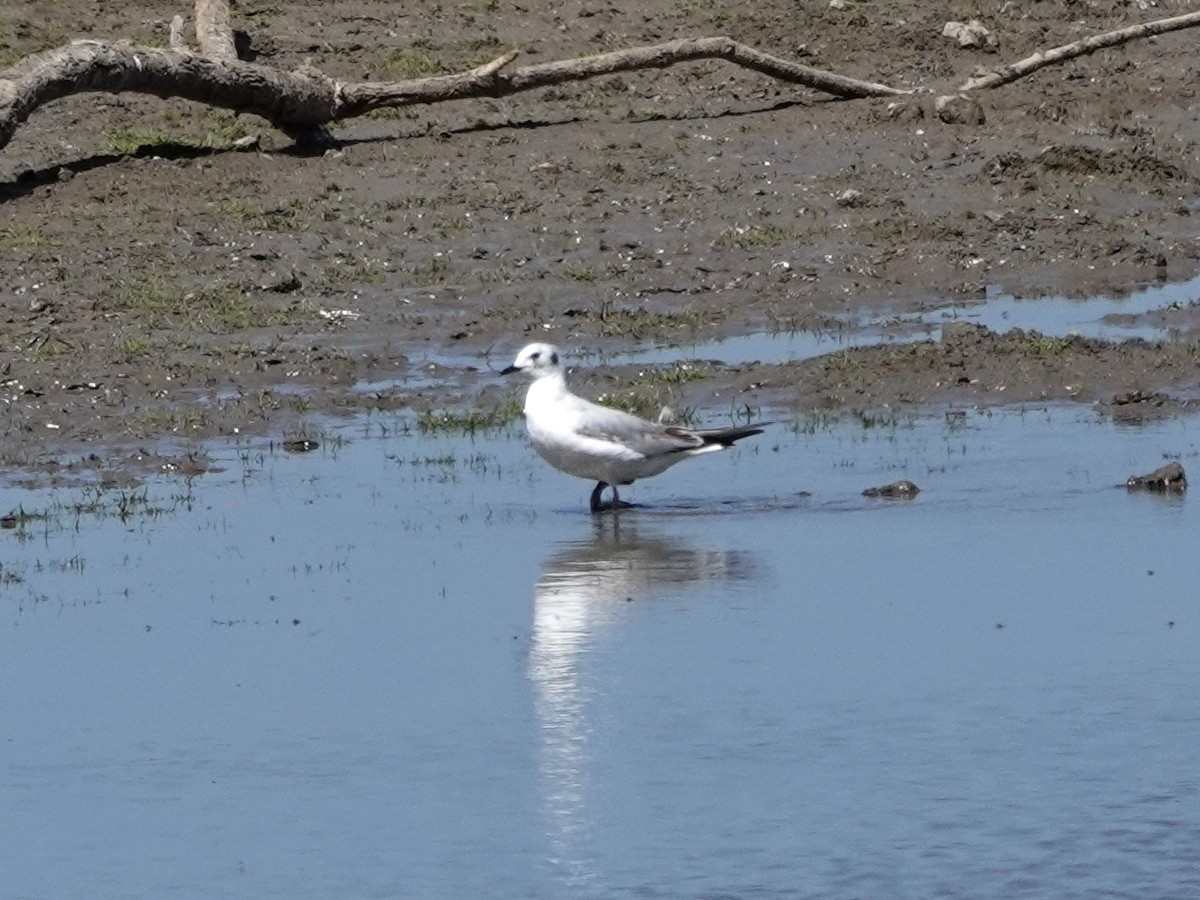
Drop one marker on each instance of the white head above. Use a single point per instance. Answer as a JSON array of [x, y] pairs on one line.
[[536, 361]]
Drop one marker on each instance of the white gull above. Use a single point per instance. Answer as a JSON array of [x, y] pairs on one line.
[[591, 441]]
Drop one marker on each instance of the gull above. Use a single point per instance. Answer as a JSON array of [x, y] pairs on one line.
[[591, 441]]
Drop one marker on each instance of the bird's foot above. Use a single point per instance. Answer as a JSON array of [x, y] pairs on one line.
[[613, 506]]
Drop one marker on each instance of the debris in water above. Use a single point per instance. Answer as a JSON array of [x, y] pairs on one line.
[[1168, 479], [897, 490]]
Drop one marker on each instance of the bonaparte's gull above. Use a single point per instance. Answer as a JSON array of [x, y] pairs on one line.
[[591, 441]]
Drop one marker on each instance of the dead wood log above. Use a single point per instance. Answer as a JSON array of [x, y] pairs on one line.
[[489, 81], [305, 100], [1087, 45]]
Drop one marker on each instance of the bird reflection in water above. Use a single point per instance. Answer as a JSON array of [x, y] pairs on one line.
[[583, 592]]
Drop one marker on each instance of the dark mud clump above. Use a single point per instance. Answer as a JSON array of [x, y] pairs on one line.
[[897, 490], [1168, 479]]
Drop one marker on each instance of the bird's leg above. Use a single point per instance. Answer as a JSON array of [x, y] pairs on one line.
[[596, 492], [616, 499]]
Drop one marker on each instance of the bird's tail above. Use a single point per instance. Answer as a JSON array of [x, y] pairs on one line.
[[726, 437]]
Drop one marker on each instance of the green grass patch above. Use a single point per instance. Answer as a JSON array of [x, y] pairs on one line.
[[411, 62], [158, 303], [28, 237], [750, 237], [218, 130], [284, 218], [470, 421]]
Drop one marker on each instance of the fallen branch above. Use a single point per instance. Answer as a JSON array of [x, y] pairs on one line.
[[1082, 47], [306, 100], [488, 81]]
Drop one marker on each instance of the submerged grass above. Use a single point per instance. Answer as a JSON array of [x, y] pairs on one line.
[[470, 421], [100, 502]]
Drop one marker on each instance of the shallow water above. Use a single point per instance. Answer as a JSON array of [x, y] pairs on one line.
[[412, 666], [1107, 318]]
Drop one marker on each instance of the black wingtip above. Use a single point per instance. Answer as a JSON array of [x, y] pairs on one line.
[[727, 437]]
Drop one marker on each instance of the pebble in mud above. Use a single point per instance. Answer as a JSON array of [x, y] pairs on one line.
[[1168, 479]]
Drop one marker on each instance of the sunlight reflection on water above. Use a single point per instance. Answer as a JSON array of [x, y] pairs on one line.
[[585, 588], [414, 666], [1109, 318]]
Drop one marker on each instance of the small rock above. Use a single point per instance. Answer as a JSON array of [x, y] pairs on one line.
[[964, 334], [905, 111], [283, 285], [1130, 398], [300, 445], [959, 109], [851, 198], [897, 490], [1168, 479], [969, 34]]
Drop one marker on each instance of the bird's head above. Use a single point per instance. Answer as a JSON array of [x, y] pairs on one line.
[[535, 361]]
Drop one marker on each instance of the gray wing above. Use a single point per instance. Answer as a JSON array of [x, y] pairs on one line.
[[638, 435]]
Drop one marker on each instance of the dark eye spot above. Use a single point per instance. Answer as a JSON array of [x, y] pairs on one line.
[[554, 359], [535, 354]]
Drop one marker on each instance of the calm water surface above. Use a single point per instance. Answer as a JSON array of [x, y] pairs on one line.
[[1107, 318], [417, 667]]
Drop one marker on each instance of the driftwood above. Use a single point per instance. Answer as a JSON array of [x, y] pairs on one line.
[[1087, 45], [303, 101]]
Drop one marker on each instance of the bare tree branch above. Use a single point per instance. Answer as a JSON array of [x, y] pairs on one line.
[[214, 34], [305, 98], [488, 81], [299, 98], [303, 101], [1083, 47]]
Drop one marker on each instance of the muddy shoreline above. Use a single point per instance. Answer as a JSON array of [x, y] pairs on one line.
[[159, 291]]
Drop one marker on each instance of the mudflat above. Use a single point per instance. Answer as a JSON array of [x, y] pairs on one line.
[[160, 283]]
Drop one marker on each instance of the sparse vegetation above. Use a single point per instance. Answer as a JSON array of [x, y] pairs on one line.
[[411, 62], [641, 322], [156, 303], [749, 237], [97, 501], [27, 237], [287, 217], [469, 421], [649, 404], [170, 421], [218, 130]]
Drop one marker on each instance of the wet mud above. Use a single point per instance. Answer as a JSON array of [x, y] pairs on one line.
[[158, 284]]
